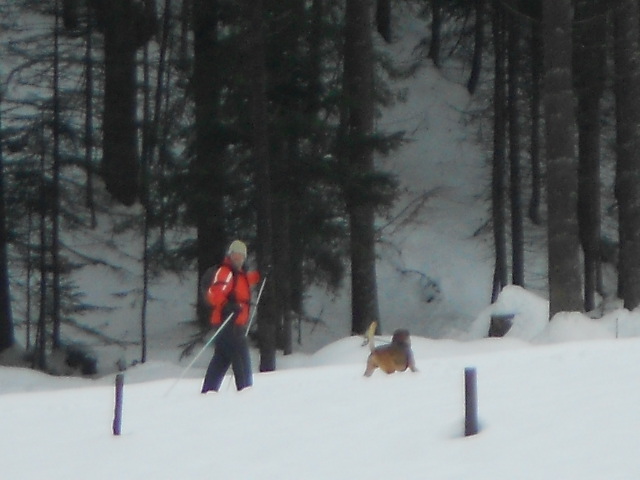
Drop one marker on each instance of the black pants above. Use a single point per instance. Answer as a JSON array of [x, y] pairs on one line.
[[232, 350]]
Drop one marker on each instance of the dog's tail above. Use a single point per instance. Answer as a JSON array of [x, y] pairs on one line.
[[369, 335]]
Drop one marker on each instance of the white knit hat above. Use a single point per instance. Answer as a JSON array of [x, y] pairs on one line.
[[238, 246]]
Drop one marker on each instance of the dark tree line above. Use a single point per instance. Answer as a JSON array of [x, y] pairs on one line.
[[230, 119], [255, 120], [551, 74]]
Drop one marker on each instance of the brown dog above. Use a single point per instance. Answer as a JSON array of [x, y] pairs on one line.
[[396, 356]]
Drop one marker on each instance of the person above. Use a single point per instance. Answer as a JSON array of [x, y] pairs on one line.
[[229, 295]]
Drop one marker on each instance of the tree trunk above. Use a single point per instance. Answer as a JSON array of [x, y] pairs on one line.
[[207, 170], [383, 19], [145, 166], [627, 185], [88, 122], [536, 76], [267, 315], [6, 319], [314, 38], [498, 177], [185, 20], [40, 358], [436, 27], [590, 39], [515, 187], [359, 93], [478, 47], [120, 152], [160, 129], [55, 193], [562, 183]]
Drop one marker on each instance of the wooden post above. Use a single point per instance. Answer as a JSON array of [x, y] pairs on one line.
[[117, 417], [471, 402]]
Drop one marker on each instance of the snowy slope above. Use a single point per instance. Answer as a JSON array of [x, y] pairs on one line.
[[562, 411]]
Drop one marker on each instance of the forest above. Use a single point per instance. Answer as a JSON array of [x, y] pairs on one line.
[[256, 119]]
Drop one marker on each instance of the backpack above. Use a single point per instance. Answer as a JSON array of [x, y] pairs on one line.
[[205, 283]]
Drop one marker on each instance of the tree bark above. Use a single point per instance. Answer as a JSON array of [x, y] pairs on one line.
[[359, 94], [88, 122], [534, 107], [562, 183], [267, 315], [7, 338], [383, 19], [515, 181], [207, 169], [498, 177], [627, 185], [478, 47], [55, 193], [589, 58], [120, 151], [436, 27]]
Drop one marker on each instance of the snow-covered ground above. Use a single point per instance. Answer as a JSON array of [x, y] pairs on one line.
[[563, 411], [557, 400]]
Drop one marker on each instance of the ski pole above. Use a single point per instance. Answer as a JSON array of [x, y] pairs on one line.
[[253, 313], [215, 334]]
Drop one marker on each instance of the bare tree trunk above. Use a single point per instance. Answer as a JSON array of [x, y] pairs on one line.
[[565, 279], [29, 269], [146, 159], [267, 315], [159, 128], [436, 27], [589, 58], [7, 338], [515, 181], [536, 75], [478, 47], [55, 190], [498, 178], [40, 357], [281, 254], [183, 49], [207, 170], [627, 186], [359, 92], [120, 152], [383, 19], [150, 122], [88, 122]]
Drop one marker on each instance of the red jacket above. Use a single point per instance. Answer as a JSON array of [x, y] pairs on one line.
[[225, 282]]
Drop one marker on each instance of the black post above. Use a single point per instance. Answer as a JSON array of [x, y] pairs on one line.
[[471, 402], [117, 417]]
